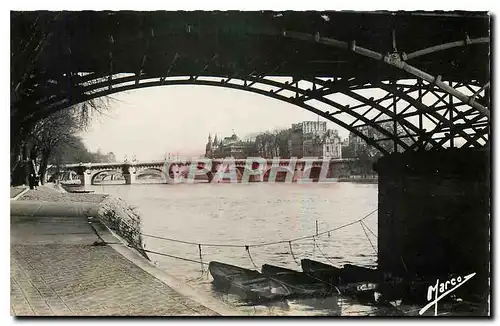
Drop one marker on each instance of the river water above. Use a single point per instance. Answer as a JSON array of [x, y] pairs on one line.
[[248, 214]]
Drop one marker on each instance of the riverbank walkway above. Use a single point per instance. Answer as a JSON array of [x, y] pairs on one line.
[[61, 267], [16, 191]]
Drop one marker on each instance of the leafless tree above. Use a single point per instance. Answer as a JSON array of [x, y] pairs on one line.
[[42, 138]]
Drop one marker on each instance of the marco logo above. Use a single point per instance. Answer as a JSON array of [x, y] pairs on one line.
[[441, 289]]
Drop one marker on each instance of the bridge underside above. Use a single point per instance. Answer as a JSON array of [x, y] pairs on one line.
[[419, 81], [434, 217]]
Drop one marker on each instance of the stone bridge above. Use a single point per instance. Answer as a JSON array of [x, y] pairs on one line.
[[252, 170]]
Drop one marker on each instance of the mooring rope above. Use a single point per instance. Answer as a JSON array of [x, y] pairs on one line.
[[366, 226], [321, 251], [293, 256], [176, 257], [247, 248], [192, 243], [404, 264], [260, 244], [201, 261], [375, 250]]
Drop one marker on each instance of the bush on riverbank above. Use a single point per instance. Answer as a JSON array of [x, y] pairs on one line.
[[121, 218]]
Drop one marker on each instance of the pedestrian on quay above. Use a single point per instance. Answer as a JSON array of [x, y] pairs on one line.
[[37, 181], [31, 181]]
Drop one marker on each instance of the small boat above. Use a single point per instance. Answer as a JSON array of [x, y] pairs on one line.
[[353, 274], [272, 269], [289, 275], [222, 272], [299, 283], [327, 273], [249, 284]]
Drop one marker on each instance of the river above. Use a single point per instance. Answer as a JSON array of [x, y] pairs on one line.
[[248, 214]]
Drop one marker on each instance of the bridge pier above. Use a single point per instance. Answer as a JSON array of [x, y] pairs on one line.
[[84, 175], [129, 178], [85, 179], [433, 220], [128, 172]]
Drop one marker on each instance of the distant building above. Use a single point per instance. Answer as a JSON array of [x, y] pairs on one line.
[[311, 127], [303, 139], [209, 147], [313, 139], [228, 147], [296, 141], [311, 145], [356, 142], [332, 144], [232, 147]]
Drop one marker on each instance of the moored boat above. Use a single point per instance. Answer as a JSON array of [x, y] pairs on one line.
[[289, 275], [249, 284], [354, 281], [223, 272], [299, 283], [353, 274], [327, 273]]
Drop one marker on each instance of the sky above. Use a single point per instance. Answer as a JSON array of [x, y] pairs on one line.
[[151, 122]]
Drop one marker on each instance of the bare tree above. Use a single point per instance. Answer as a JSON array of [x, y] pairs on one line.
[[39, 140], [51, 133]]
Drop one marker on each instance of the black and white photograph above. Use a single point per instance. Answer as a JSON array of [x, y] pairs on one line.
[[250, 163]]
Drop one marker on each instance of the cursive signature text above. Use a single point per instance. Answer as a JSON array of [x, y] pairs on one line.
[[442, 289]]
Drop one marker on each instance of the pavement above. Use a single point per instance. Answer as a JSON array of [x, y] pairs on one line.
[[52, 209], [16, 192], [61, 267]]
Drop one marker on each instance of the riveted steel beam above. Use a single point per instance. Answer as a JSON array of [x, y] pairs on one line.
[[396, 62], [145, 56], [441, 47], [381, 108], [392, 59], [110, 55], [289, 87], [172, 63], [308, 107], [420, 106]]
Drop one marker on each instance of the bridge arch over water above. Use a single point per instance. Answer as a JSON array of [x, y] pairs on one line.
[[150, 171], [102, 175]]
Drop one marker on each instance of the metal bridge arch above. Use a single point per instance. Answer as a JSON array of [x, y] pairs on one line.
[[460, 109], [313, 95]]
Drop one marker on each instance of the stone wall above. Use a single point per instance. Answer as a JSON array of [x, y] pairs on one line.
[[123, 220]]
